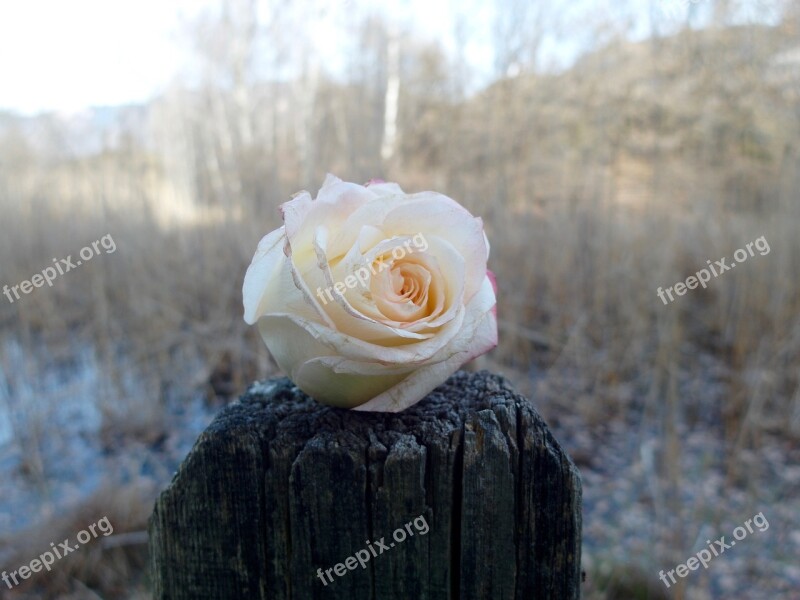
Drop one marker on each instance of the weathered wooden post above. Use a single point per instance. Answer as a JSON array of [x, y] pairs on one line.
[[283, 498]]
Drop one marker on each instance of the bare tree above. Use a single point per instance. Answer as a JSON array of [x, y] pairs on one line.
[[392, 95]]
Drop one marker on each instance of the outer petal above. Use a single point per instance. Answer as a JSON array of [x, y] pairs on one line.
[[309, 339], [302, 216], [384, 188], [272, 284], [297, 353], [345, 390], [261, 273]]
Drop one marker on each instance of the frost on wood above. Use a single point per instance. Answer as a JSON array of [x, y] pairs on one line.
[[279, 486]]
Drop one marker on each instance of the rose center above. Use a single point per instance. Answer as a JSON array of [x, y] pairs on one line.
[[410, 283]]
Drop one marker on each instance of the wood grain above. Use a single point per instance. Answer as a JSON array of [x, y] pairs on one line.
[[279, 486]]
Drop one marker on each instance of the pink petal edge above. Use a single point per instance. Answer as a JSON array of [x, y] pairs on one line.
[[493, 280]]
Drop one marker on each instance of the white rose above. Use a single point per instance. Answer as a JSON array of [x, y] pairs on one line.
[[368, 297]]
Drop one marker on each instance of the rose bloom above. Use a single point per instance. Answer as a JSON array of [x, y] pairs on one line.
[[368, 297]]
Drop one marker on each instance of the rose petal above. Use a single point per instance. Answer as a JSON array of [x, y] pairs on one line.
[[260, 274], [471, 342]]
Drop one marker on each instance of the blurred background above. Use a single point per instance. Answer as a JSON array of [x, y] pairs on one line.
[[611, 148]]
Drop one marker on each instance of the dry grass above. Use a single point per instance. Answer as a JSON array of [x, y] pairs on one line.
[[106, 567]]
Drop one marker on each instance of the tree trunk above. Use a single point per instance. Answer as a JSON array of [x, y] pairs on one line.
[[464, 495]]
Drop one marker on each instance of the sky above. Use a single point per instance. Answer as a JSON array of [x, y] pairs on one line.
[[68, 55], [65, 56]]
